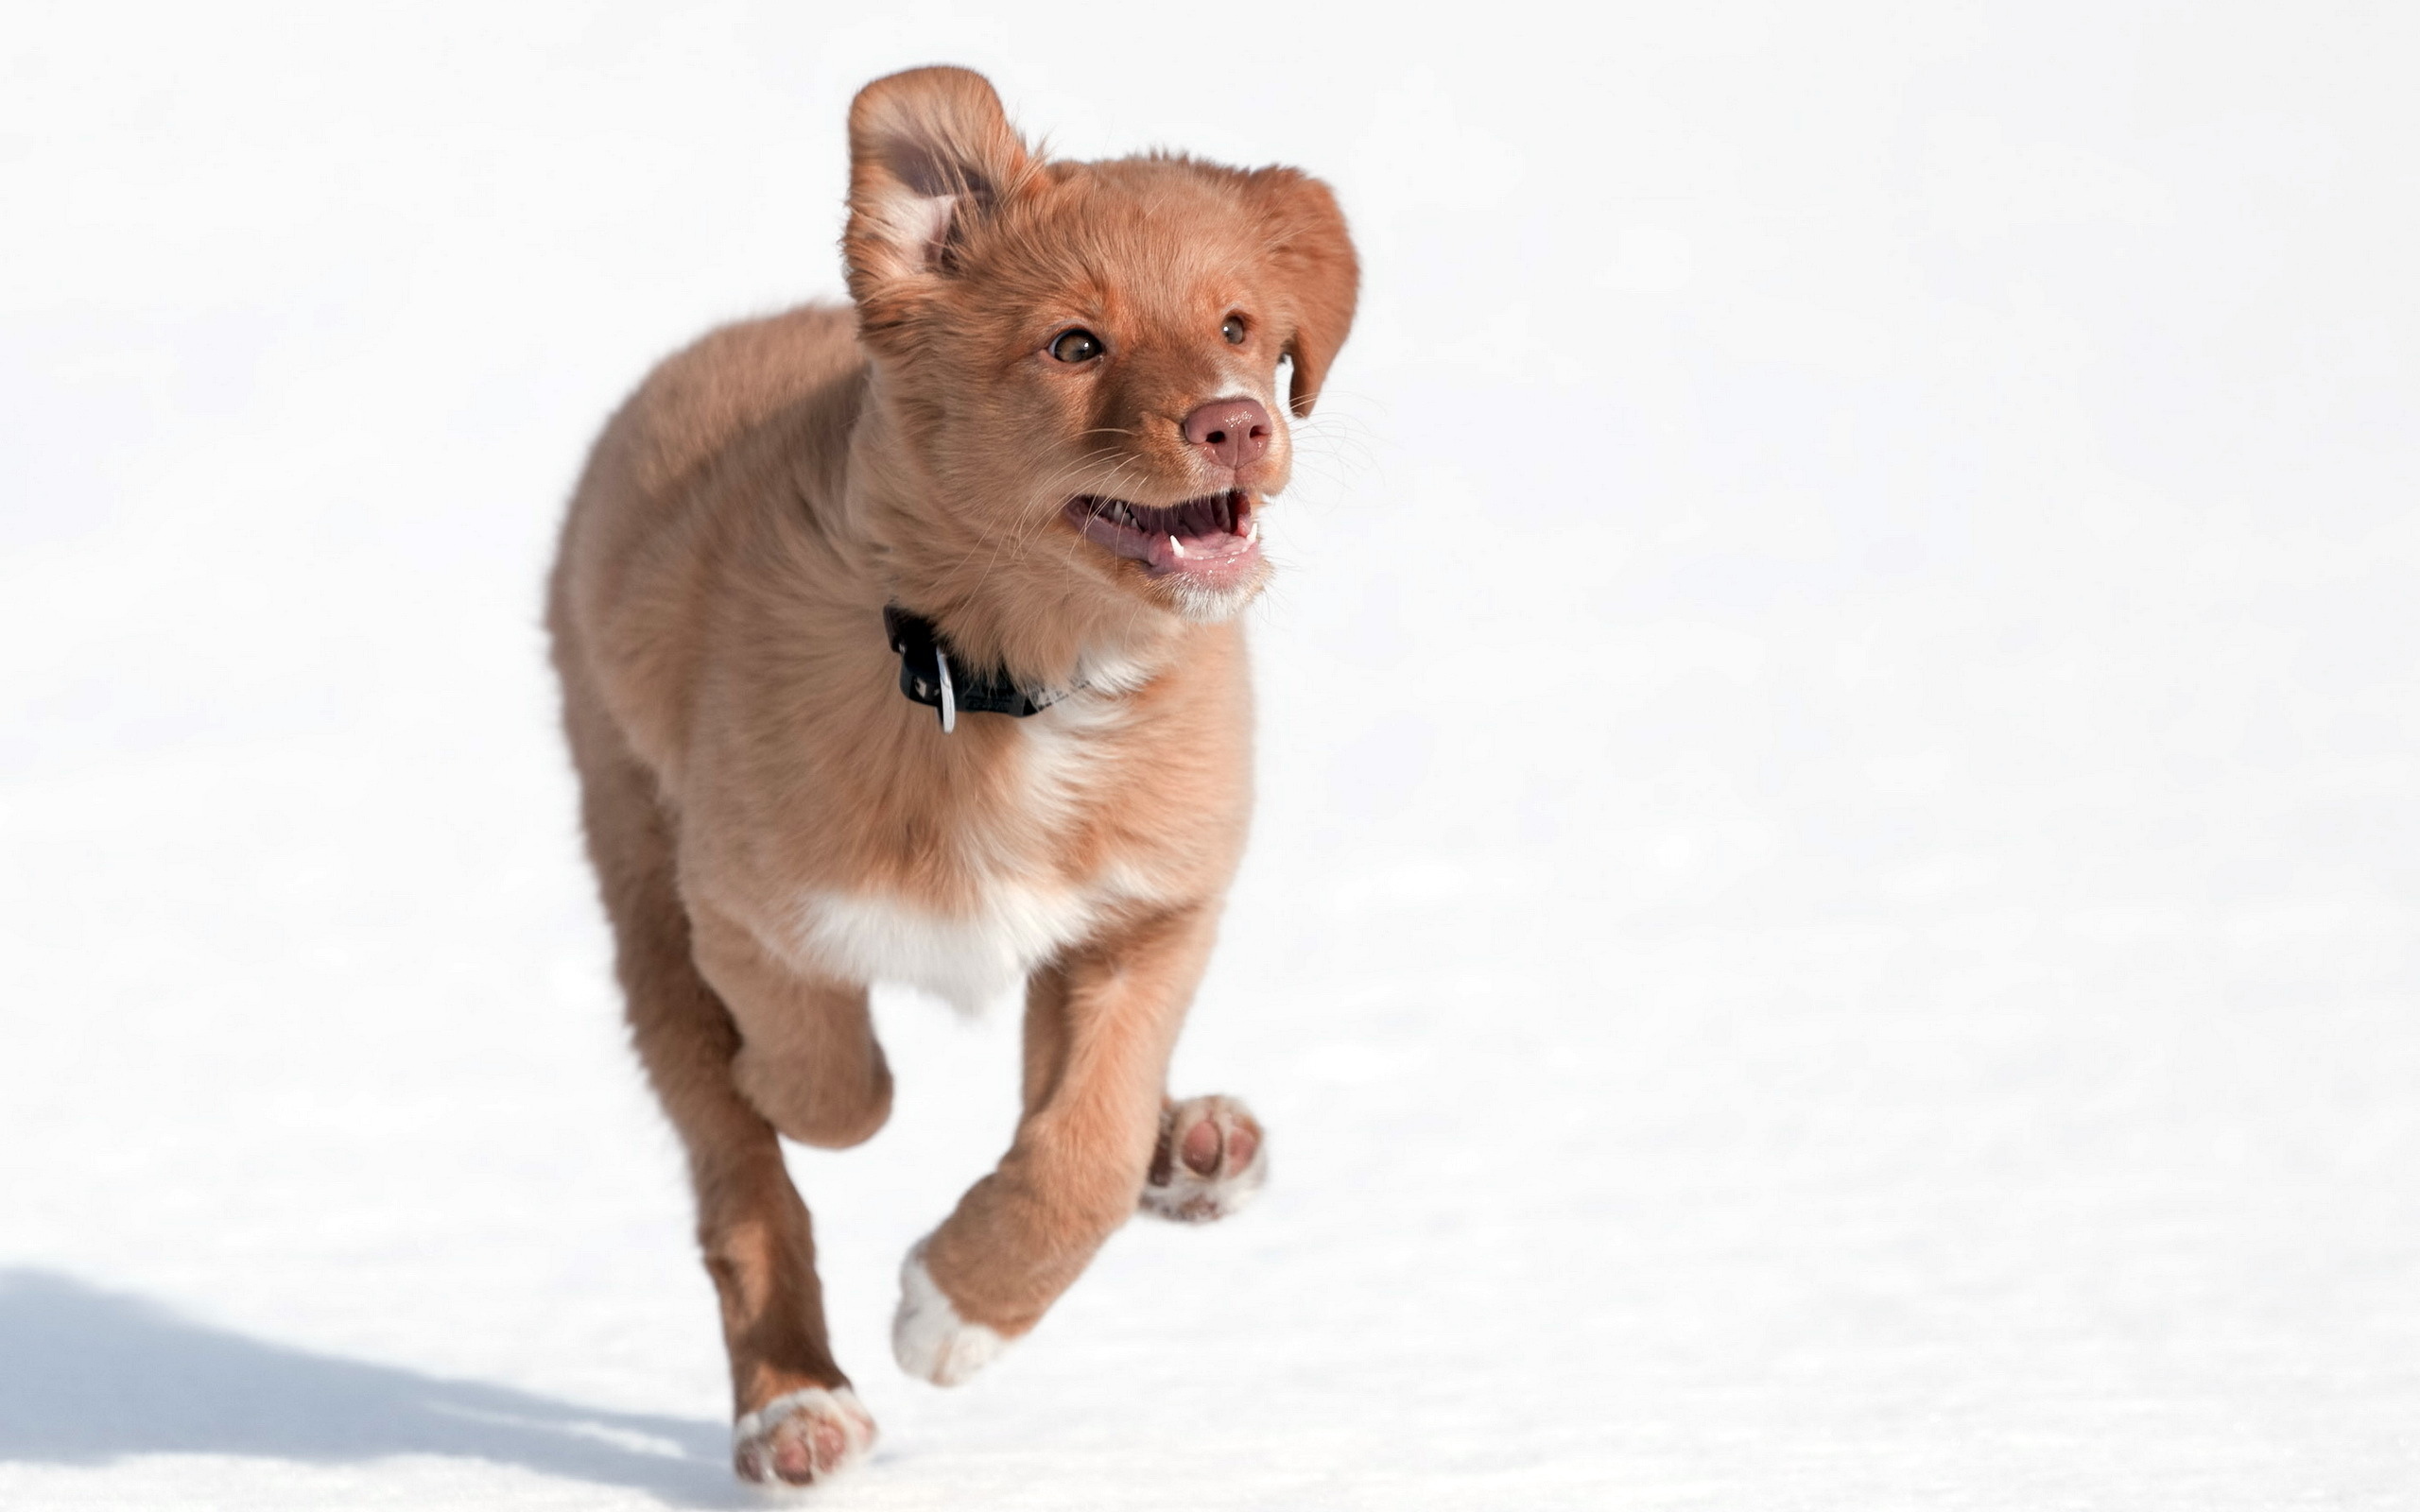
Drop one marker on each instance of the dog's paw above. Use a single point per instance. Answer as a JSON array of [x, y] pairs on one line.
[[930, 1341], [801, 1437], [1211, 1158]]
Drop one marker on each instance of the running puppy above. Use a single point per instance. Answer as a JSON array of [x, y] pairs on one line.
[[898, 642]]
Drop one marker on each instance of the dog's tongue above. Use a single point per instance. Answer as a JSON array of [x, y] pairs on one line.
[[1174, 554], [1206, 539]]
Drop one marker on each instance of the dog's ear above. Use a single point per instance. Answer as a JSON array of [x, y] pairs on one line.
[[929, 150], [1313, 254]]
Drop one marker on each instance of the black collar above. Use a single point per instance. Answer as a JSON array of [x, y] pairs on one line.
[[931, 674]]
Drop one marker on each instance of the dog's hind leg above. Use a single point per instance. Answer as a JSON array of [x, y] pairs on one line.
[[1100, 1025], [797, 1419]]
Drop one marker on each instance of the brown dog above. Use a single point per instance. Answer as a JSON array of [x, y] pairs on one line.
[[898, 643]]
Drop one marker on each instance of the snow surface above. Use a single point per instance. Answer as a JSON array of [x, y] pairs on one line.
[[1832, 921]]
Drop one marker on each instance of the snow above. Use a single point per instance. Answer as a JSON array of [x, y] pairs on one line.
[[1832, 919]]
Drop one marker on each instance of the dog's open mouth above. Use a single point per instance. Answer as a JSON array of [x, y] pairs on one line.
[[1213, 539]]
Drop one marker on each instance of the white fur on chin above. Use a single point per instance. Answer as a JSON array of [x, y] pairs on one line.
[[1213, 605], [927, 1337]]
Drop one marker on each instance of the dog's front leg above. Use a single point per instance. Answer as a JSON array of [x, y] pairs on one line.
[[1101, 1022]]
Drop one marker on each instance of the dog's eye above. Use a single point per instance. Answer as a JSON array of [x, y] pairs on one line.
[[1233, 329], [1079, 345]]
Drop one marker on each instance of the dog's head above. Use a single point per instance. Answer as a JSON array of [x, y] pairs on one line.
[[1084, 357]]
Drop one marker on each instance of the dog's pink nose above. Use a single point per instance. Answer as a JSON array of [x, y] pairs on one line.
[[1235, 431]]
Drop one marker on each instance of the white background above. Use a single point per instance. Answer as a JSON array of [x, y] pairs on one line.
[[1832, 919]]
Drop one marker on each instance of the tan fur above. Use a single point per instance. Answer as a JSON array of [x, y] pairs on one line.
[[767, 814]]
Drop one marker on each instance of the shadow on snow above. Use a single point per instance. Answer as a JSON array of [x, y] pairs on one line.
[[86, 1377]]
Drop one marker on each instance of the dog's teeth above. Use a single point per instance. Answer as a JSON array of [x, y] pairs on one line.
[[1177, 546]]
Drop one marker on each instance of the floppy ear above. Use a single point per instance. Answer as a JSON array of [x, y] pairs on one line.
[[1313, 253], [928, 150]]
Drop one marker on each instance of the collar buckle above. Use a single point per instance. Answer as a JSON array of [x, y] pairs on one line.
[[927, 675]]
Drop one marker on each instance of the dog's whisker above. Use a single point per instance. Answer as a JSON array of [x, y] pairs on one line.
[[1020, 530]]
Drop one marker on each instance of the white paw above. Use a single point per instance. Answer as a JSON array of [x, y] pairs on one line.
[[930, 1340], [801, 1437], [1212, 1159]]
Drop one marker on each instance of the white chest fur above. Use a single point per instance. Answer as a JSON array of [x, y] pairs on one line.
[[972, 956], [968, 958]]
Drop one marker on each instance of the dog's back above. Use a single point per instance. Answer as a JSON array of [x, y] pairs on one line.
[[682, 475]]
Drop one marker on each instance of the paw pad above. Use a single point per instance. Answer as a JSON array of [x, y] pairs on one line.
[[801, 1437], [1211, 1158]]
